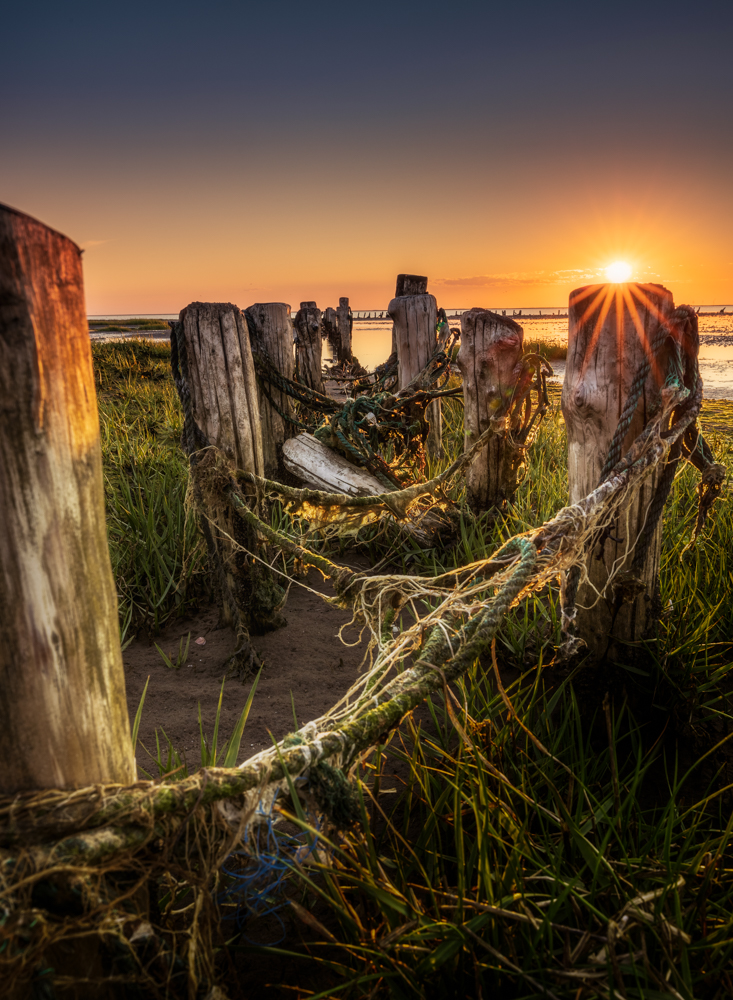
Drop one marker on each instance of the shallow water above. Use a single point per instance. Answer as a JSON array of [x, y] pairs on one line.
[[372, 340]]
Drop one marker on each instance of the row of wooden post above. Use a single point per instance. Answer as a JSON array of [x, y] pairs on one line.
[[63, 715]]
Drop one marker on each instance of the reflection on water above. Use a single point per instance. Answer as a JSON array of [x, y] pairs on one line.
[[372, 341]]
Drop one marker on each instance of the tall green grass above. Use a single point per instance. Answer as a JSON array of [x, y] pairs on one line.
[[509, 870], [537, 847], [590, 858], [158, 555]]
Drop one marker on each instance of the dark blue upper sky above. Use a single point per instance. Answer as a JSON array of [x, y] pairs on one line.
[[153, 68]]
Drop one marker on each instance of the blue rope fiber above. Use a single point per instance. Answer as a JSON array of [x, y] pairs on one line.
[[257, 887]]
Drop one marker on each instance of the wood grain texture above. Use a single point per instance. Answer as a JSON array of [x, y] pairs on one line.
[[607, 342], [325, 469], [414, 319], [489, 360], [345, 324], [225, 403], [224, 392], [271, 333], [309, 345], [411, 284], [63, 713], [331, 326]]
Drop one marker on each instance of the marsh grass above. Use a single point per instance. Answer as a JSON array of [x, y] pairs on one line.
[[126, 325], [541, 844], [598, 866], [159, 558]]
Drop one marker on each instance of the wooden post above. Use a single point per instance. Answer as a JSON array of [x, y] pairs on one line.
[[414, 317], [490, 362], [63, 713], [223, 385], [217, 375], [611, 328], [345, 322], [331, 328], [271, 334], [411, 284], [309, 346]]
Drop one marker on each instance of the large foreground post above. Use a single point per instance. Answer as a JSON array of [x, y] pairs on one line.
[[271, 334], [414, 316], [612, 329], [63, 713], [308, 326], [215, 374], [490, 361]]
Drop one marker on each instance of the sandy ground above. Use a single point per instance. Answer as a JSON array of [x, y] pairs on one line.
[[305, 658]]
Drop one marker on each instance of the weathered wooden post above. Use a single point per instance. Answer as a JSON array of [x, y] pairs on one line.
[[490, 361], [611, 330], [216, 381], [331, 328], [345, 324], [309, 347], [271, 334], [414, 315], [63, 713]]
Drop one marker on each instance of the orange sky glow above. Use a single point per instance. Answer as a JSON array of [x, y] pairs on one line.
[[508, 251]]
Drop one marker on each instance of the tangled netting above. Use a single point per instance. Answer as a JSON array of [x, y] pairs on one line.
[[95, 852], [367, 426]]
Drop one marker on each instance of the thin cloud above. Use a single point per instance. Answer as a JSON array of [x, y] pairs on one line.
[[93, 243], [519, 279], [487, 280]]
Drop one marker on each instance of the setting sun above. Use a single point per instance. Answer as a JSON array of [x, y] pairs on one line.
[[618, 271]]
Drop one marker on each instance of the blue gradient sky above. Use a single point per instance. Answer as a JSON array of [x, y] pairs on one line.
[[281, 151]]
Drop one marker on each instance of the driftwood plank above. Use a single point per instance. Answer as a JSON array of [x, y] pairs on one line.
[[63, 713], [325, 469]]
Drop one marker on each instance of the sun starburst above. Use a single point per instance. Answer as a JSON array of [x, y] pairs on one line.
[[618, 272]]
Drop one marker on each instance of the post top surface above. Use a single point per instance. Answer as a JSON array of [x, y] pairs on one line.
[[265, 305], [29, 220], [411, 284], [212, 308], [507, 321]]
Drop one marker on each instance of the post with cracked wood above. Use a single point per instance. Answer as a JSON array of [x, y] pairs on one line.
[[215, 376], [331, 328], [490, 361], [345, 325], [611, 330], [271, 335], [63, 714], [414, 314], [309, 346]]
